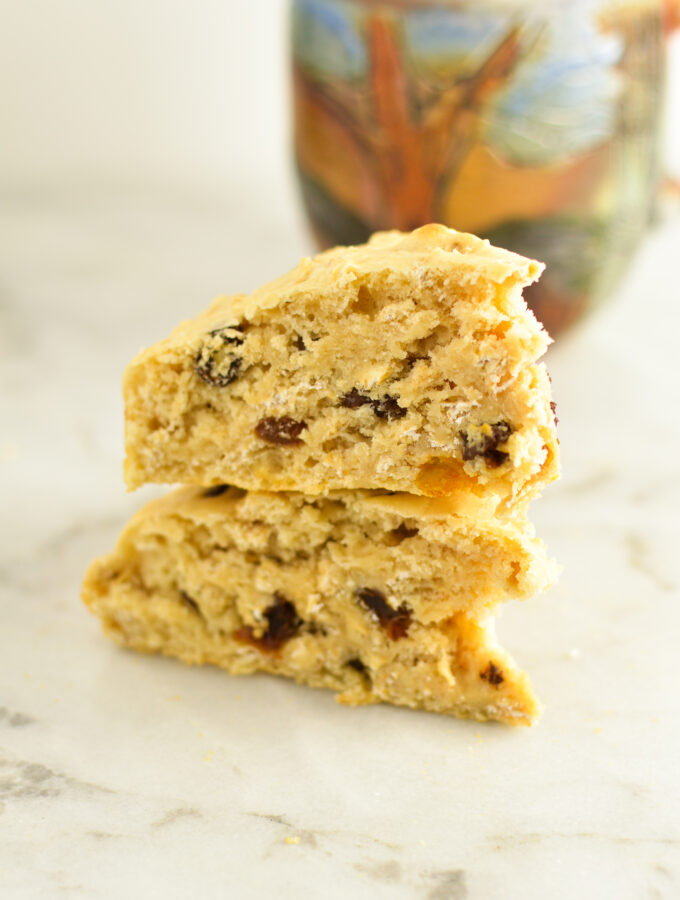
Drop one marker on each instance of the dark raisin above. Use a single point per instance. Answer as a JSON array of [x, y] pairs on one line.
[[495, 458], [388, 408], [216, 490], [190, 602], [553, 407], [284, 431], [356, 664], [402, 533], [484, 441], [283, 623], [385, 408], [354, 399], [299, 343], [215, 363], [395, 621], [493, 675], [413, 358]]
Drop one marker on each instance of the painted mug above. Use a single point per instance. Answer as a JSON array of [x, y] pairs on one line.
[[534, 124]]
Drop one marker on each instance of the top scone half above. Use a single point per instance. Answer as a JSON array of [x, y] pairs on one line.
[[406, 364]]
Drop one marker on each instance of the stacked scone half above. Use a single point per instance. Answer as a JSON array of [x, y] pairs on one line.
[[358, 443]]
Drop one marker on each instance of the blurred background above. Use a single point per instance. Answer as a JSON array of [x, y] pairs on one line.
[[191, 95], [169, 92], [153, 103]]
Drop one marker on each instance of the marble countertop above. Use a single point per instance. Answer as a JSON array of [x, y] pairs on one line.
[[123, 776]]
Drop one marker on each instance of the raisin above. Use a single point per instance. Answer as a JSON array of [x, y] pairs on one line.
[[485, 442], [354, 399], [216, 490], [190, 602], [401, 533], [395, 621], [553, 407], [283, 623], [284, 431], [356, 664], [385, 408], [388, 408], [413, 358], [495, 458], [214, 363], [493, 675]]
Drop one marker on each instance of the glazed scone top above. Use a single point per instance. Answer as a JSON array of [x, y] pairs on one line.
[[430, 252], [443, 247], [432, 249]]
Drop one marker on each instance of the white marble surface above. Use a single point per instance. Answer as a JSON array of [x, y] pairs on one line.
[[122, 776]]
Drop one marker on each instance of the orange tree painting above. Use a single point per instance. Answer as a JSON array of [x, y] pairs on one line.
[[509, 126], [406, 144]]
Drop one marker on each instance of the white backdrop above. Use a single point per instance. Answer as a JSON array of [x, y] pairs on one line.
[[195, 90], [191, 89]]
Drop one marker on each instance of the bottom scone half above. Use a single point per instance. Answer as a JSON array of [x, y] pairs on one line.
[[382, 598]]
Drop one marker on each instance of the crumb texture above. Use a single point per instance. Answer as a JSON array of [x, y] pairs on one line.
[[406, 364], [381, 599]]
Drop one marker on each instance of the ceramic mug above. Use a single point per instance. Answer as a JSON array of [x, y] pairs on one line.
[[535, 124]]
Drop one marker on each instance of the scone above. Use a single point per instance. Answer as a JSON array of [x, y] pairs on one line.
[[405, 364], [379, 597]]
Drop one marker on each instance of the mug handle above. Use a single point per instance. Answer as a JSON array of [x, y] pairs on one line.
[[669, 189]]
